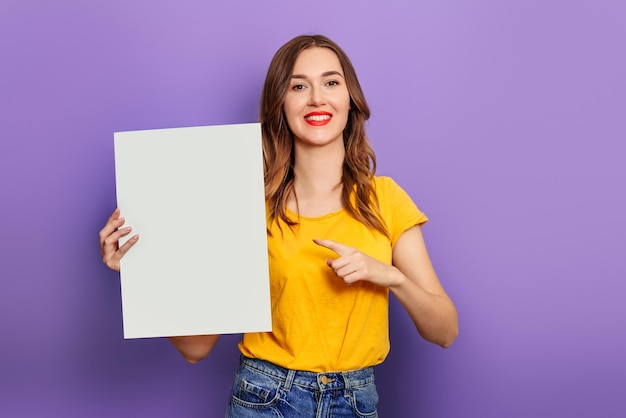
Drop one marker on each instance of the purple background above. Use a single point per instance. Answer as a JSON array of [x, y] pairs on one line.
[[504, 120]]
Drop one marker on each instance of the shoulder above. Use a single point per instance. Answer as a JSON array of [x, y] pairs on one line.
[[396, 207], [384, 182], [386, 187]]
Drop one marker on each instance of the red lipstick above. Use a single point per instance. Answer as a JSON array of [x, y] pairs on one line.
[[318, 118]]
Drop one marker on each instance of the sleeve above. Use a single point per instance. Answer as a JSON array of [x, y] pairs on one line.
[[397, 208]]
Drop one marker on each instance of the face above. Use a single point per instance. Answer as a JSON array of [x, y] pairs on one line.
[[317, 101]]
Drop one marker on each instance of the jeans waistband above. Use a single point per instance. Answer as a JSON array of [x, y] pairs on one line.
[[323, 381]]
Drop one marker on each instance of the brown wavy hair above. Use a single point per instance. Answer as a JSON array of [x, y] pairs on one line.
[[358, 196]]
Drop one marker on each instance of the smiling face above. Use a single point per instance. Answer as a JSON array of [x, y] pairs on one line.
[[317, 101]]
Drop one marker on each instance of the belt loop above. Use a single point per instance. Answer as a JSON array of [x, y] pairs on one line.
[[346, 380], [291, 374]]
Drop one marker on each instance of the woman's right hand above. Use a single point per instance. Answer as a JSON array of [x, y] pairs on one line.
[[110, 250]]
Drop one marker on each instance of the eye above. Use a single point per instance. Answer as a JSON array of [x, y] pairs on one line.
[[298, 87], [332, 83]]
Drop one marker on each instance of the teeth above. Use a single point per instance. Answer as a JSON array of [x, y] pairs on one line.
[[318, 117]]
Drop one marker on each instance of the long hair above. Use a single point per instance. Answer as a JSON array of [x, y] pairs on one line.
[[358, 195]]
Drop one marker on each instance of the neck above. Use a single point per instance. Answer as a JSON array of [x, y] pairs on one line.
[[318, 170]]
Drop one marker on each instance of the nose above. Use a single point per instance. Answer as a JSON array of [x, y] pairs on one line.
[[316, 97]]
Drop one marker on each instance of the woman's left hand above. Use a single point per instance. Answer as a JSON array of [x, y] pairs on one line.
[[353, 265]]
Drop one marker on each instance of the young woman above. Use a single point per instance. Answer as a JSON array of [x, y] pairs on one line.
[[339, 240]]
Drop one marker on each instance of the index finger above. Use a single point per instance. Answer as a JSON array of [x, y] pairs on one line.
[[335, 246], [114, 215], [110, 225]]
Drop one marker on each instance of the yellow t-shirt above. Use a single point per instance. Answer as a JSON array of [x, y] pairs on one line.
[[319, 323]]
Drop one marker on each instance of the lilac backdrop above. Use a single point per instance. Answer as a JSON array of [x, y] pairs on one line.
[[504, 120]]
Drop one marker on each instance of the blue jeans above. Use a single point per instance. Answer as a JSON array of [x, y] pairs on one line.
[[263, 389]]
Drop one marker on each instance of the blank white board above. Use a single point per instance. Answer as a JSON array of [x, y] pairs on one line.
[[196, 198]]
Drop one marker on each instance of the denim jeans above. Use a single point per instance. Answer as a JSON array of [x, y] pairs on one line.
[[263, 389]]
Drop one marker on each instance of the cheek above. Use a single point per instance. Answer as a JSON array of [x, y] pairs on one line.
[[342, 105], [342, 102], [288, 114], [291, 108]]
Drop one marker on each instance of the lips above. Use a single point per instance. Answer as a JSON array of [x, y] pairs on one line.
[[318, 118]]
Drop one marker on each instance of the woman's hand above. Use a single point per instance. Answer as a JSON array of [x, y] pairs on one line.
[[110, 250], [353, 265]]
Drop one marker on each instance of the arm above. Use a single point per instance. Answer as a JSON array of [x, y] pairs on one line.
[[193, 348], [418, 289]]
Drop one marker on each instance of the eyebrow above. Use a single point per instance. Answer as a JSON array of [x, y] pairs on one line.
[[325, 74]]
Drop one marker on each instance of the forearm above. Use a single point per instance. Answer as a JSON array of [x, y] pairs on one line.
[[195, 347], [434, 316]]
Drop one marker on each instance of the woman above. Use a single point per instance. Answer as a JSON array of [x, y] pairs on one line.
[[339, 239]]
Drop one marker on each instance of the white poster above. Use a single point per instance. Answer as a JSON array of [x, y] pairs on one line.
[[196, 198]]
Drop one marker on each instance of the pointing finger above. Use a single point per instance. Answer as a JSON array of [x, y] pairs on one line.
[[338, 248]]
